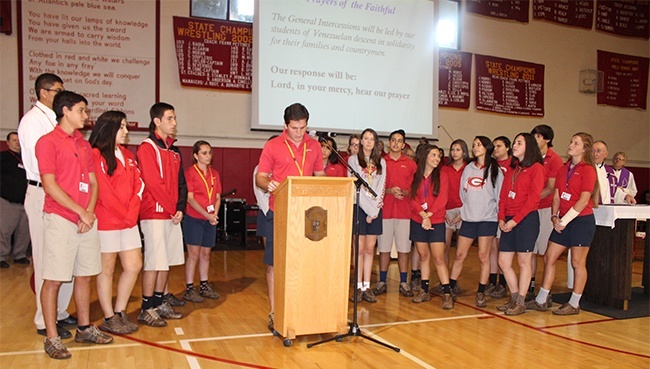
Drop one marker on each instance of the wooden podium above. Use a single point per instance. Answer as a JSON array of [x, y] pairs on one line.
[[312, 238]]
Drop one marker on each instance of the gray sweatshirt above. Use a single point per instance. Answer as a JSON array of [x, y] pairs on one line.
[[370, 204], [480, 199]]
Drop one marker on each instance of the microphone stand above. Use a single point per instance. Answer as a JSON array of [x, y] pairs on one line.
[[355, 330]]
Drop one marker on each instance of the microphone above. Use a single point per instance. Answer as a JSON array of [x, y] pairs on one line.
[[231, 192], [323, 134]]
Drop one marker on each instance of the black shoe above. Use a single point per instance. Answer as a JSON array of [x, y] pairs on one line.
[[4, 264], [69, 321], [63, 333], [23, 261]]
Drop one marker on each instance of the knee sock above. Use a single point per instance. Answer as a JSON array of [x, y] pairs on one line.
[[542, 295], [425, 285], [382, 276], [493, 278], [502, 280], [575, 300], [402, 277], [147, 302], [415, 274], [157, 298]]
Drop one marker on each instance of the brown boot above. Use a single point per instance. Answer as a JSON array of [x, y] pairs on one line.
[[508, 304], [518, 306], [447, 301]]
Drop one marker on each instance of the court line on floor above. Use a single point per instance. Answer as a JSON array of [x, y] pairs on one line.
[[545, 331]]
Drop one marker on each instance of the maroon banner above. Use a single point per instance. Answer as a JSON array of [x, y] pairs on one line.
[[568, 12], [454, 76], [624, 18], [214, 54], [626, 80], [509, 86], [504, 9]]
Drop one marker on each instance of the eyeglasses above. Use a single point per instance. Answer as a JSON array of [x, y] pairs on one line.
[[619, 159], [57, 90], [354, 145]]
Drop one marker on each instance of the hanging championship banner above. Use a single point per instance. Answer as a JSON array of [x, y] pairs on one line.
[[509, 86], [214, 54]]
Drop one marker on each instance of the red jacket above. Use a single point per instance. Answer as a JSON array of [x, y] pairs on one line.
[[435, 204], [118, 204], [526, 184], [165, 190]]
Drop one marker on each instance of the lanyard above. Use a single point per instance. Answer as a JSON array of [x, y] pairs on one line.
[[208, 189], [514, 177], [295, 161], [569, 173], [46, 116], [425, 186], [18, 157], [82, 165]]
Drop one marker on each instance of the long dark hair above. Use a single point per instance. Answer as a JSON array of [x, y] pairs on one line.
[[532, 154], [491, 165], [333, 158], [104, 134], [375, 156], [434, 178]]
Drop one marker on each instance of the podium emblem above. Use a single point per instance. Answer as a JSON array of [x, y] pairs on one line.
[[316, 223]]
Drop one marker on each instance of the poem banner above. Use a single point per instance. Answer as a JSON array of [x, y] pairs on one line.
[[214, 54], [509, 86], [103, 50], [625, 80], [454, 75]]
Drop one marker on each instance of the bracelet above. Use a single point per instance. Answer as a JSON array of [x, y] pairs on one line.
[[554, 216]]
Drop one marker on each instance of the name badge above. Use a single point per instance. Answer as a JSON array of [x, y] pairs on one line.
[[425, 206], [566, 196], [210, 208], [83, 187], [512, 194]]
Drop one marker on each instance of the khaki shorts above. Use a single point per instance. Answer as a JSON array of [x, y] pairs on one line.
[[545, 229], [67, 253], [120, 240], [397, 229], [163, 244]]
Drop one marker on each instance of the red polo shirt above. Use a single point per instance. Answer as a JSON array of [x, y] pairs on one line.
[[398, 173], [281, 158], [526, 185], [70, 159], [453, 200], [204, 186], [552, 163], [574, 182]]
